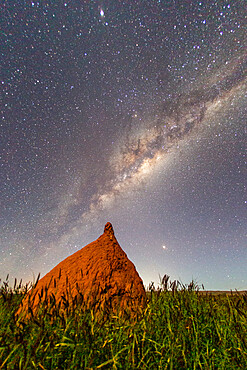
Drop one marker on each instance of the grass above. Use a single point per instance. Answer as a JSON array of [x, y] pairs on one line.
[[179, 329]]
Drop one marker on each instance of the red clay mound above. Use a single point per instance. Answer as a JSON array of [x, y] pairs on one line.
[[100, 273]]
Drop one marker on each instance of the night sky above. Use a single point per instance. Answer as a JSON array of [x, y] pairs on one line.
[[132, 112]]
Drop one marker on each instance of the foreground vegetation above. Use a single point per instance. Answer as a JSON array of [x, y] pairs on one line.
[[179, 329]]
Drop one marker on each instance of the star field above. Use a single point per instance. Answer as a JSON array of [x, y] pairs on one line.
[[131, 112]]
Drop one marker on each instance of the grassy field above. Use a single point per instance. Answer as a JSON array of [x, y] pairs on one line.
[[179, 329]]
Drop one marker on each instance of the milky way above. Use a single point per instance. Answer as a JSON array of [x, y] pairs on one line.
[[178, 118], [128, 112]]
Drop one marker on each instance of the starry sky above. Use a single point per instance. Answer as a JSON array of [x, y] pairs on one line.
[[132, 112]]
